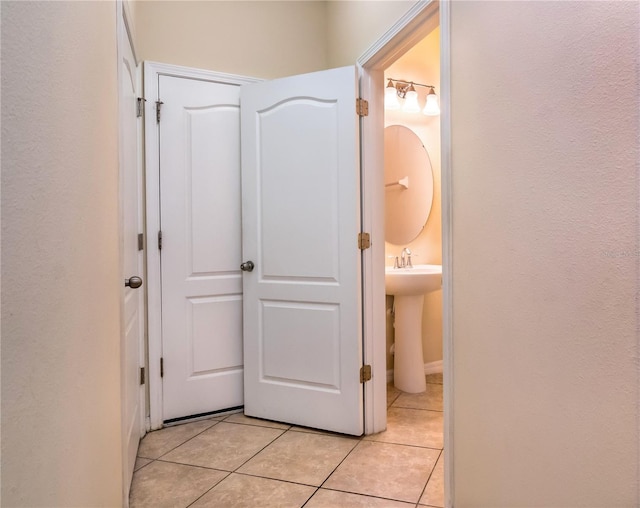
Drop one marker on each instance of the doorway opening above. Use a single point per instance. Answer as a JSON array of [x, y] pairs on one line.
[[425, 24]]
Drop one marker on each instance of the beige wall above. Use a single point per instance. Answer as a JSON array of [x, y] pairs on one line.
[[422, 65], [265, 39], [61, 281], [545, 253], [353, 26], [260, 39]]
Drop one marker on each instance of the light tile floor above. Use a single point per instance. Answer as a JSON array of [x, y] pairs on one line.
[[236, 461]]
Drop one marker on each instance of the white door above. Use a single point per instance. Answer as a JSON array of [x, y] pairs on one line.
[[133, 307], [201, 246], [301, 219]]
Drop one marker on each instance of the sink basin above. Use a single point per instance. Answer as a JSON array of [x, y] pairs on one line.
[[418, 280]]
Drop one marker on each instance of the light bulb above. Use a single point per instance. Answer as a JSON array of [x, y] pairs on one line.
[[391, 97], [411, 101], [431, 108]]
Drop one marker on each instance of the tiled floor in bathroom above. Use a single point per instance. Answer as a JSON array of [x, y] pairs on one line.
[[235, 461]]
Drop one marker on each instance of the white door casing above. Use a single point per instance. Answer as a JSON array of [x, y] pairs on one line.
[[301, 219], [132, 391], [201, 246]]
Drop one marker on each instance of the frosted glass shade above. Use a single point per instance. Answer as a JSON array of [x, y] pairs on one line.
[[411, 102], [432, 108], [391, 98]]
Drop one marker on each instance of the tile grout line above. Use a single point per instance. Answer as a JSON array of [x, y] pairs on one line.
[[235, 471], [436, 448], [372, 495], [276, 479], [166, 461], [209, 489], [263, 448], [429, 478], [335, 469], [417, 409], [159, 459], [229, 473], [203, 430]]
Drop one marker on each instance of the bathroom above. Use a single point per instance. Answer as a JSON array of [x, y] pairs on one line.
[[418, 229]]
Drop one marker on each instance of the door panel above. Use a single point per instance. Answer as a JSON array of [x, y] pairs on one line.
[[201, 251], [133, 306], [301, 218]]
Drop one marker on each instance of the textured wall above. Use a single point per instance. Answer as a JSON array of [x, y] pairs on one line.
[[353, 26], [60, 273], [545, 253], [260, 39]]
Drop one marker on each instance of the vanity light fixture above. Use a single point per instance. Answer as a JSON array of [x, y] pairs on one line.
[[406, 90]]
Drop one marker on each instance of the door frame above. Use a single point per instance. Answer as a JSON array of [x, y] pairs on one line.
[[152, 73], [417, 22]]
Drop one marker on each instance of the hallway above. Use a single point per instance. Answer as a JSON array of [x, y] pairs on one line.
[[236, 461]]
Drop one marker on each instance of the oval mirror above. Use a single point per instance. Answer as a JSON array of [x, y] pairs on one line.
[[408, 185]]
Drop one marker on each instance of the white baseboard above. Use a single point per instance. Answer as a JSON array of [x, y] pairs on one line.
[[429, 368], [433, 367]]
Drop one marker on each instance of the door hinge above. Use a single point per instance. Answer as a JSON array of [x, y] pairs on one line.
[[141, 375], [159, 240], [364, 241], [365, 373], [140, 241], [140, 106], [161, 367], [362, 107], [159, 104]]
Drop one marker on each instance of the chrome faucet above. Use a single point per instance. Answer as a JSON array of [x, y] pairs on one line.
[[405, 258]]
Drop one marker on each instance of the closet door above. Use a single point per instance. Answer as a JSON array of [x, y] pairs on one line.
[[199, 135]]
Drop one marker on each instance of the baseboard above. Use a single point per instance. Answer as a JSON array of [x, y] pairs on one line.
[[429, 368], [433, 367]]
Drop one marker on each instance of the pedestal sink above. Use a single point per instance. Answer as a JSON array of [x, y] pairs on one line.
[[408, 286]]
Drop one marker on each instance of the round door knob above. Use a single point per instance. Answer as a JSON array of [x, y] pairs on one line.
[[247, 266], [133, 282]]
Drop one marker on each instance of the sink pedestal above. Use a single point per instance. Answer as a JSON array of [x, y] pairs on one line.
[[408, 364], [408, 286]]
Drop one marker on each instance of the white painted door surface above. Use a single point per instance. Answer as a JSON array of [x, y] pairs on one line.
[[301, 218], [201, 246], [133, 307]]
